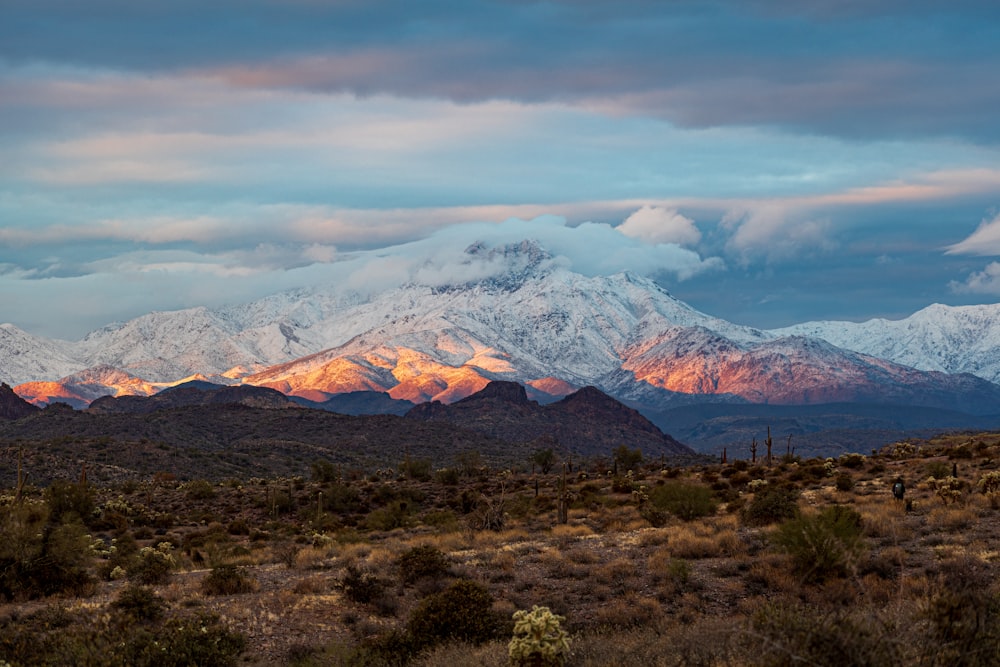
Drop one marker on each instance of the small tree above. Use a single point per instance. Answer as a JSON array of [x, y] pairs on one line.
[[627, 459], [544, 459]]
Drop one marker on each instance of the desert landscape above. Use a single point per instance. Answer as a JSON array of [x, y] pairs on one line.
[[773, 561]]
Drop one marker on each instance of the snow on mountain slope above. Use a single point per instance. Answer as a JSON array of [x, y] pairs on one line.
[[26, 357], [950, 339], [796, 370], [527, 319]]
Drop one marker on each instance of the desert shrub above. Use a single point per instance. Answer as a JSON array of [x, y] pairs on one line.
[[39, 557], [418, 469], [201, 639], [539, 640], [67, 500], [852, 460], [447, 476], [964, 616], [397, 514], [627, 459], [323, 471], [824, 545], [544, 459], [199, 489], [937, 469], [771, 504], [360, 585], [227, 580], [421, 562], [685, 501], [960, 452], [843, 481], [463, 612], [341, 498], [654, 515], [139, 603], [152, 565], [489, 513], [55, 636], [790, 635]]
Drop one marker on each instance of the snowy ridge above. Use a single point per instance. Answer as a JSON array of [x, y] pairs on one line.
[[520, 315], [950, 339]]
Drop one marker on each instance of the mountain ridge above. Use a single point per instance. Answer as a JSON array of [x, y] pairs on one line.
[[518, 314]]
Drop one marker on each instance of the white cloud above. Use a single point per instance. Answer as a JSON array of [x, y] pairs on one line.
[[773, 231], [590, 248], [654, 224], [986, 281], [984, 241]]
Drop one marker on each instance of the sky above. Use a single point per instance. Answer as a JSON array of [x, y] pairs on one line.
[[767, 161]]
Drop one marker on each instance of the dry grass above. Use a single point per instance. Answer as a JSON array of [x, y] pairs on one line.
[[951, 518]]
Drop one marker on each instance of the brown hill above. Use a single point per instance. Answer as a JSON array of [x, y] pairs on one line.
[[231, 440], [13, 406], [587, 422], [191, 394]]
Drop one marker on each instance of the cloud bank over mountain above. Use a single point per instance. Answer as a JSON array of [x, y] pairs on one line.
[[170, 154]]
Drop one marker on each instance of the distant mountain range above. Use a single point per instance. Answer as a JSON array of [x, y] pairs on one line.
[[532, 321]]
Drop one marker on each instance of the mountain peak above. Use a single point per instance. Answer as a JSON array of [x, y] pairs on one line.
[[502, 268], [501, 390]]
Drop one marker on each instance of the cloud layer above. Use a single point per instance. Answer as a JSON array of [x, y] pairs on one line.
[[751, 155]]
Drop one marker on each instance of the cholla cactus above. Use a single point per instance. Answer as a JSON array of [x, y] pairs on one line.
[[989, 483], [902, 450], [538, 641], [989, 486], [948, 489]]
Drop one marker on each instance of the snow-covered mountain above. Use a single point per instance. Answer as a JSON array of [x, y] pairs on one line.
[[528, 319], [950, 339]]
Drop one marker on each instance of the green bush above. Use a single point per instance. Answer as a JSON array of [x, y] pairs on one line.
[[227, 580], [825, 545], [685, 501], [462, 612], [770, 504], [422, 562]]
